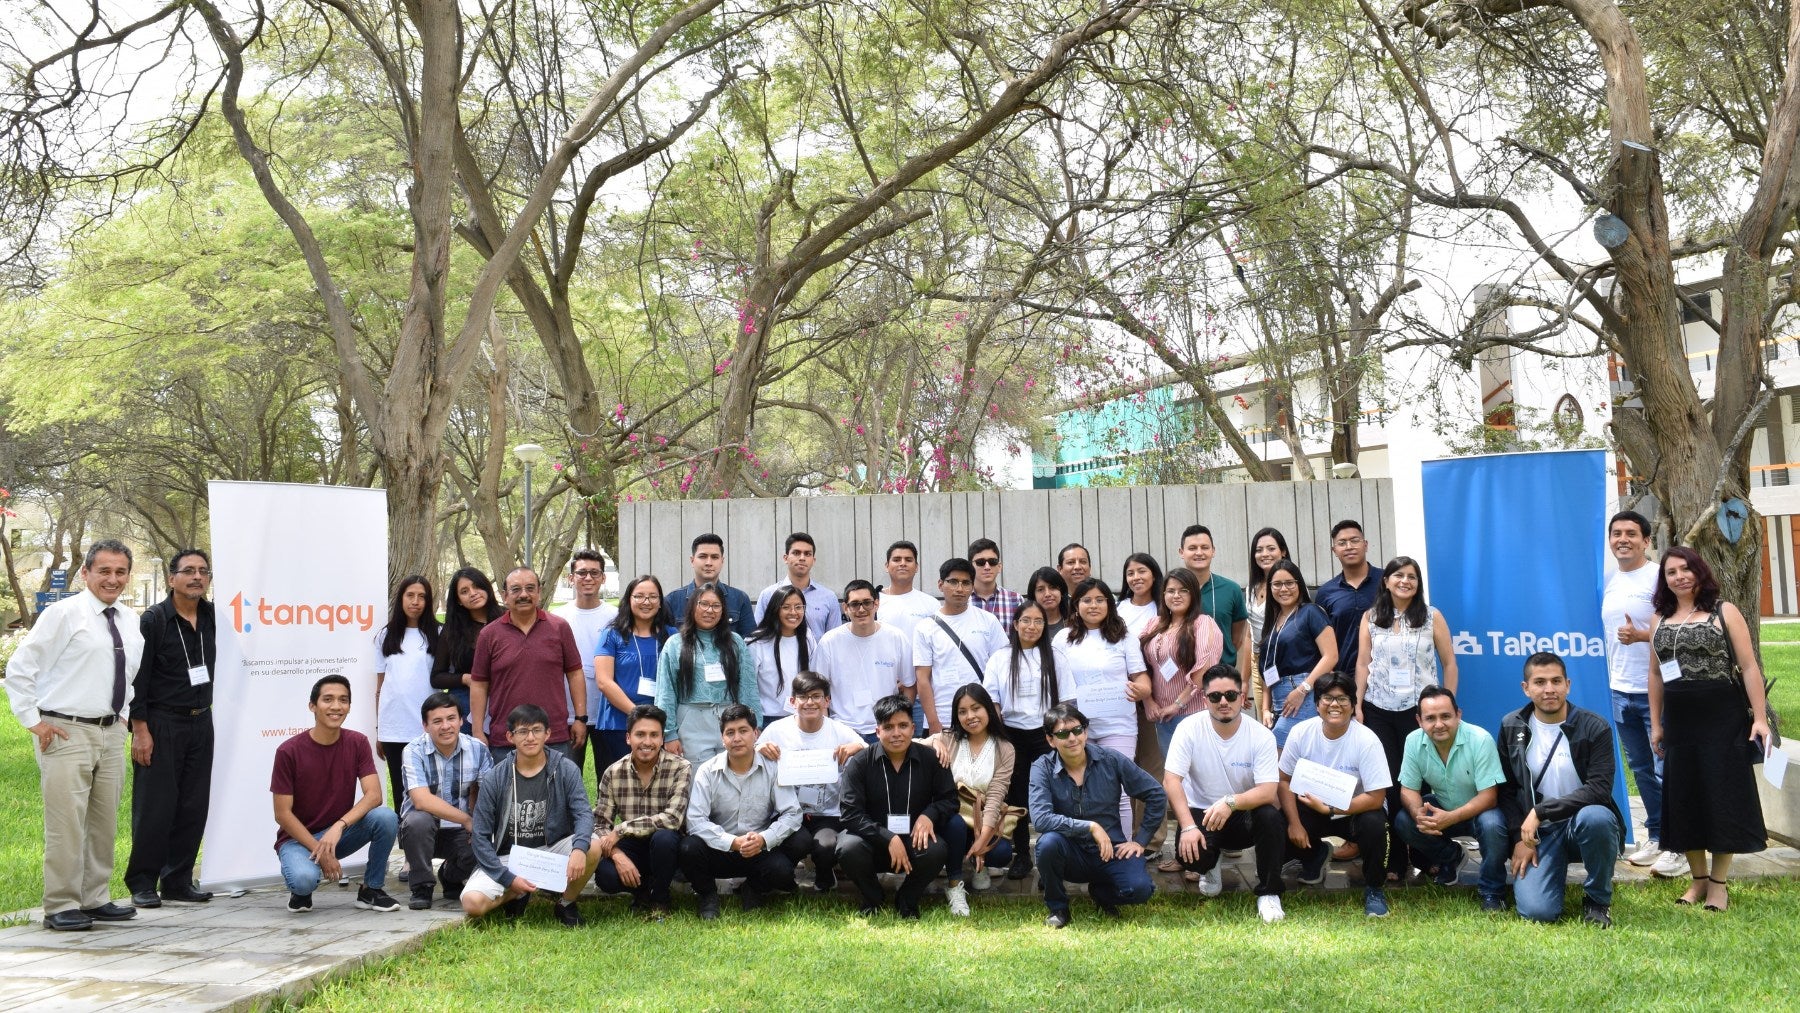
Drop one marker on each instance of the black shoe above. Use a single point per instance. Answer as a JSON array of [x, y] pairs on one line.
[[299, 903], [68, 921], [1446, 875], [826, 881], [910, 914], [371, 899], [1110, 910], [110, 912], [421, 898], [1058, 920], [750, 897], [1599, 915], [146, 898], [186, 895], [568, 915], [1312, 870], [1492, 903], [453, 889], [516, 907], [1018, 870], [709, 907], [869, 910]]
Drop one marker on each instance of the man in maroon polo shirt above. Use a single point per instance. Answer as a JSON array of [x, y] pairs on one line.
[[526, 656]]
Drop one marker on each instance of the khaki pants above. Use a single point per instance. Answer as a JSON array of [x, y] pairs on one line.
[[80, 778]]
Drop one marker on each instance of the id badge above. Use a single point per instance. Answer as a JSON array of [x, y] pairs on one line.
[[199, 676], [1168, 669], [1271, 676], [715, 672], [900, 825], [1671, 670], [647, 686]]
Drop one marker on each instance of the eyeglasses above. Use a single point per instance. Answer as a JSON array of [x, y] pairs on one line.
[[810, 698], [193, 571], [587, 574], [1334, 701], [1069, 733], [1033, 621], [522, 589], [1283, 585], [1229, 696], [529, 732], [859, 604], [957, 582], [646, 599], [1345, 543], [707, 606], [987, 562]]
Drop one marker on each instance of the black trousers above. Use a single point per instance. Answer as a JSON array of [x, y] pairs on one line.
[[1392, 728], [703, 864], [1263, 828], [816, 839], [1367, 829], [396, 765], [863, 860], [169, 799]]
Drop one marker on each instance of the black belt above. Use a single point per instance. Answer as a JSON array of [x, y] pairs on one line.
[[180, 712], [105, 722]]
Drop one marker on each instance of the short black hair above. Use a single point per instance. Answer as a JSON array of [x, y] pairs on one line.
[[1345, 525], [1433, 691], [736, 712], [526, 714], [1064, 711], [181, 554], [888, 706], [647, 712], [811, 682], [437, 702], [799, 536], [1334, 680], [981, 545], [1222, 672], [956, 564], [706, 539], [1634, 517], [1542, 658], [591, 555], [901, 544], [1195, 529], [333, 679], [860, 584]]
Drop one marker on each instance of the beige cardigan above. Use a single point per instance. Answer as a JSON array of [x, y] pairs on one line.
[[993, 806]]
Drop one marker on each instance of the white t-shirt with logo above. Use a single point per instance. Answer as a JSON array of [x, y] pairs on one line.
[[1092, 663], [1560, 777], [589, 625], [905, 610], [816, 799], [979, 631], [1628, 594], [1357, 752], [1211, 768], [862, 670]]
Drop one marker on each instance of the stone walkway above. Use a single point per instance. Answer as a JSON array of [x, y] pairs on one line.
[[244, 952]]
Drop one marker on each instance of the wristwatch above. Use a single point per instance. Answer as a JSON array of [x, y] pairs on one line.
[[1231, 802]]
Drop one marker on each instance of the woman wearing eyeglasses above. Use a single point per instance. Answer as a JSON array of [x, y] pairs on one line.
[[707, 669], [1297, 647], [783, 646], [625, 666]]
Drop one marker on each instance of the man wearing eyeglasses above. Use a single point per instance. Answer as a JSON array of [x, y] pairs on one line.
[[988, 595], [821, 811], [1226, 770], [864, 661], [1348, 595], [1075, 808], [587, 616], [1336, 740], [527, 656], [172, 737]]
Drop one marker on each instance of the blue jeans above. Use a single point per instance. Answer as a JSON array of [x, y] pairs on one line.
[[1593, 837], [1489, 830], [1277, 695], [957, 839], [1061, 860], [1631, 716], [377, 829], [1165, 732]]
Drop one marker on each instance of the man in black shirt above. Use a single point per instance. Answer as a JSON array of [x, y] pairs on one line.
[[172, 737], [894, 800]]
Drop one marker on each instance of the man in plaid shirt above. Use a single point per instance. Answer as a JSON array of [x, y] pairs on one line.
[[642, 802], [989, 596]]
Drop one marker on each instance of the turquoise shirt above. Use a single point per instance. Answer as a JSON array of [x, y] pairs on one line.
[[706, 652], [1474, 766]]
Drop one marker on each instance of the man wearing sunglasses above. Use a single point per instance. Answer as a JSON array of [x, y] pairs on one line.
[[1226, 769], [1075, 807]]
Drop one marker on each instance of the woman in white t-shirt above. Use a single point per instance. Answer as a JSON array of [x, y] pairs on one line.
[[783, 647], [1143, 578], [403, 659], [1021, 678], [1102, 669]]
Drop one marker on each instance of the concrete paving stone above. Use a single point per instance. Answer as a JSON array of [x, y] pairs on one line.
[[234, 968], [71, 964], [135, 967], [17, 990], [89, 995], [13, 958]]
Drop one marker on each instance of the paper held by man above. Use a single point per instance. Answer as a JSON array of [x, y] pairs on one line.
[[546, 870], [806, 766], [1332, 787]]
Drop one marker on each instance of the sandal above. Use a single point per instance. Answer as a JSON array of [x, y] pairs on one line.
[[1709, 905], [1685, 899], [1169, 865]]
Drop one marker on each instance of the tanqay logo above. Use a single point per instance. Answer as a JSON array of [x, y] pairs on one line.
[[1521, 645], [248, 612]]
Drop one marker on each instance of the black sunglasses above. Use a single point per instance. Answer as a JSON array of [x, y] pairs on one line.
[[1069, 733], [1228, 696]]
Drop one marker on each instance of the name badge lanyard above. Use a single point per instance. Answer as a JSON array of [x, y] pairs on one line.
[[637, 650], [887, 783], [1275, 645], [188, 659]]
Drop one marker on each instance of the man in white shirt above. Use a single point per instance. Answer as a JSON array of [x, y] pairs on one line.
[[952, 645], [69, 684], [1625, 612], [822, 610], [588, 616], [865, 661], [1336, 741], [1226, 769], [821, 813], [738, 816], [903, 605]]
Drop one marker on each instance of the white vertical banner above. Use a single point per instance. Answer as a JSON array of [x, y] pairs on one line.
[[300, 587]]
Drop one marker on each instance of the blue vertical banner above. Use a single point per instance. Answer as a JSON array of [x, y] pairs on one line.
[[1516, 549]]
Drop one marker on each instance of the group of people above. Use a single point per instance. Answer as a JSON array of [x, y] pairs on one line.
[[890, 730]]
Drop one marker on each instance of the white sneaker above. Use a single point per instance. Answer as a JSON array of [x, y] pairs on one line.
[[1648, 851], [1269, 906], [1672, 865], [958, 899], [982, 880], [1211, 883]]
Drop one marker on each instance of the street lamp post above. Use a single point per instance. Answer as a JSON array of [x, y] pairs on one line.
[[528, 455]]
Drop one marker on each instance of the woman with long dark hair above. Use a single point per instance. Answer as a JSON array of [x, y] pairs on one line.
[[1298, 646], [1104, 673], [1179, 647], [1267, 547], [1709, 720], [1051, 592], [1405, 647], [405, 655], [625, 665], [982, 763], [705, 670], [782, 646], [1021, 678], [469, 604], [1142, 582]]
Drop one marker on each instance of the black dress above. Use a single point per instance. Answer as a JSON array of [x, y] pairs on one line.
[[1709, 786]]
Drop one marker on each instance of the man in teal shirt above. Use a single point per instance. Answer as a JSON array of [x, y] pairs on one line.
[[1220, 596], [1449, 787]]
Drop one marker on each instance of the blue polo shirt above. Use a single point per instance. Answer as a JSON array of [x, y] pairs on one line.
[[1346, 605]]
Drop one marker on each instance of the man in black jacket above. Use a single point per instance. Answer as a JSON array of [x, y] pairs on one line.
[[1557, 799], [894, 800]]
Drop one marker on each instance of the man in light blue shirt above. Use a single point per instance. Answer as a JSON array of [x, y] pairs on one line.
[[1449, 787], [738, 816], [823, 612]]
